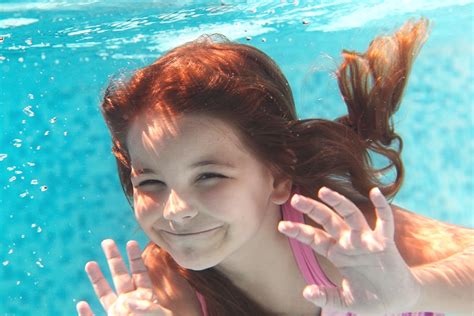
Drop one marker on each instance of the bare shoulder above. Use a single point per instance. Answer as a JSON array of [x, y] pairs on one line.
[[173, 291], [422, 240]]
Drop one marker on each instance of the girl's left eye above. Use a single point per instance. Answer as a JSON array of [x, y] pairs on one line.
[[206, 176]]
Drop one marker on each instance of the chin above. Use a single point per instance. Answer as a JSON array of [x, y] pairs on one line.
[[196, 263]]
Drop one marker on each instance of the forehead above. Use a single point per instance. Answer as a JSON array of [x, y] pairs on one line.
[[181, 139]]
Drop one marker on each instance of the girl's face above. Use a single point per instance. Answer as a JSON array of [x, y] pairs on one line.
[[198, 193]]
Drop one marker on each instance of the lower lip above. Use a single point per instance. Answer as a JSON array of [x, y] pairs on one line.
[[204, 233]]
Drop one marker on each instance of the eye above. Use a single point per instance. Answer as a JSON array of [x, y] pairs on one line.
[[147, 182], [209, 175]]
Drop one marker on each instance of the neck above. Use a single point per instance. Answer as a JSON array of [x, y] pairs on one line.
[[266, 270]]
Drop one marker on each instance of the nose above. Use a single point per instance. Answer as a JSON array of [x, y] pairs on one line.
[[177, 210]]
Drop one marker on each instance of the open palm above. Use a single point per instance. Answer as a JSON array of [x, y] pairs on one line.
[[376, 279], [135, 295]]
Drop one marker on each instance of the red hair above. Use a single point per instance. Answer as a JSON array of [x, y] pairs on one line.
[[244, 87]]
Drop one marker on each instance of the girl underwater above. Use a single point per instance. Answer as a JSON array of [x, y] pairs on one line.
[[252, 211]]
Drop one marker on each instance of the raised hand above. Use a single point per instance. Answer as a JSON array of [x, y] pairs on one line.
[[134, 296], [376, 279]]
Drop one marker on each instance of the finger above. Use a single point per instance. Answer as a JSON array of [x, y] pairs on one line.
[[122, 280], [324, 296], [83, 309], [385, 224], [140, 275], [321, 214], [101, 287], [316, 238], [352, 215]]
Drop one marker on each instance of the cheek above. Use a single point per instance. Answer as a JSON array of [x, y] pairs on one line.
[[224, 198], [144, 206]]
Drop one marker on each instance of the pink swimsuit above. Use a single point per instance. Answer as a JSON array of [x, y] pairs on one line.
[[309, 266]]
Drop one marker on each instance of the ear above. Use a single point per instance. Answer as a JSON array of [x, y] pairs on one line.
[[281, 190]]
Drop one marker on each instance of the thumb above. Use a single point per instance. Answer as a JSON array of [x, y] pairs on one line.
[[324, 296], [145, 307]]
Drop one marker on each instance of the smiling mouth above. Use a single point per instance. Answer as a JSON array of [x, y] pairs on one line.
[[191, 234]]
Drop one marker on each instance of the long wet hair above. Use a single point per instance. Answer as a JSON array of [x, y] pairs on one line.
[[244, 87]]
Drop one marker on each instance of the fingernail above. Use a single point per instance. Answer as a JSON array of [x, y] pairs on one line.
[[298, 201], [284, 226], [287, 229], [107, 242], [376, 192], [324, 192], [311, 292]]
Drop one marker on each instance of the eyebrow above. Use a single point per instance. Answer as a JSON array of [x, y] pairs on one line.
[[196, 164]]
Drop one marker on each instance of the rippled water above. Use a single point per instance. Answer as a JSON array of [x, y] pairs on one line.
[[60, 194]]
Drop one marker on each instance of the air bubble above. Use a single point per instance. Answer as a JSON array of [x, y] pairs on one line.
[[65, 133], [6, 262], [21, 59], [22, 195], [31, 96], [43, 56], [10, 251], [27, 111], [17, 143], [46, 133]]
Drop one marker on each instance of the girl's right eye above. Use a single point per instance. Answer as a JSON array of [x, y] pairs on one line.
[[147, 182]]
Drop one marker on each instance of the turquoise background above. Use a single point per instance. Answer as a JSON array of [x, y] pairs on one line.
[[59, 191]]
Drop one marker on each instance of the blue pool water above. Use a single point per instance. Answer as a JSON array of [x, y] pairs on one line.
[[59, 192]]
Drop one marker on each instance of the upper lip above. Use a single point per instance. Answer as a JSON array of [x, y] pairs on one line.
[[191, 233]]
